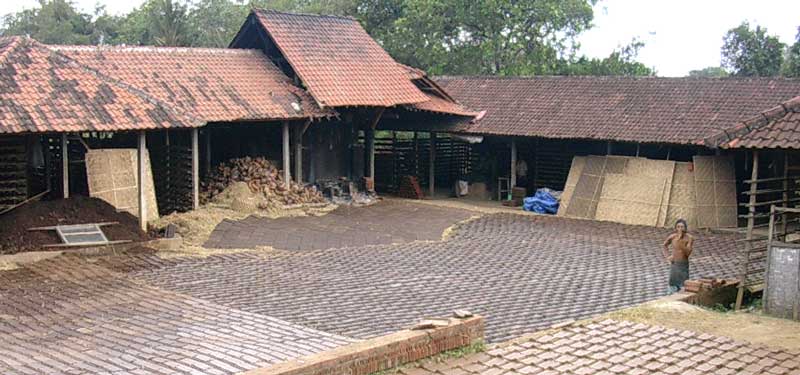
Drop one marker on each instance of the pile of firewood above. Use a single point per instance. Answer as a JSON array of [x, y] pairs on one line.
[[262, 177]]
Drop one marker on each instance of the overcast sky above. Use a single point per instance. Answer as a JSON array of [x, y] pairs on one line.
[[679, 35]]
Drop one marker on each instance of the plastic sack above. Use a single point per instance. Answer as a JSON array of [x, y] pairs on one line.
[[543, 202]]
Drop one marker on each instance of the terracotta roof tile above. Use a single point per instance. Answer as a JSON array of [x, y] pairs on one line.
[[777, 127], [633, 109], [44, 91], [338, 61], [214, 84]]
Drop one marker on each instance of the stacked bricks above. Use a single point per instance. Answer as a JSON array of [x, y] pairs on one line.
[[385, 352], [619, 347], [409, 188]]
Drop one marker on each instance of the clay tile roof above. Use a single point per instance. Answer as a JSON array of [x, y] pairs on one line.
[[777, 127], [632, 109], [340, 64], [439, 101], [214, 84], [44, 91]]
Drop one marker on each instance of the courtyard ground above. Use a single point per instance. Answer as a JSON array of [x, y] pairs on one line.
[[234, 311]]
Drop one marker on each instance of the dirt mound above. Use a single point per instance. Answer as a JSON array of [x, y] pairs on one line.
[[261, 177], [15, 237]]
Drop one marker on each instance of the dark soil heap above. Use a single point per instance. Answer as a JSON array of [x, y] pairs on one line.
[[15, 237]]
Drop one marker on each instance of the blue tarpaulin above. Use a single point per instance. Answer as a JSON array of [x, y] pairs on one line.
[[543, 202]]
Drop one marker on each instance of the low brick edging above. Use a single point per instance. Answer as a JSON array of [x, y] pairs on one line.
[[384, 352]]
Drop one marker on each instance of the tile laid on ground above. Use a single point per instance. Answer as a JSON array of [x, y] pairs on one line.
[[618, 347], [68, 316], [523, 273], [386, 222]]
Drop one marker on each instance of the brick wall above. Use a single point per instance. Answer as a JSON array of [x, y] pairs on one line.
[[384, 352]]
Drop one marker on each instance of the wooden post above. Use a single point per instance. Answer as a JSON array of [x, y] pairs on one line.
[[195, 169], [287, 176], [142, 147], [208, 150], [784, 217], [431, 171], [416, 154], [608, 148], [298, 152], [371, 142], [513, 179], [48, 164], [748, 244], [65, 165], [637, 149]]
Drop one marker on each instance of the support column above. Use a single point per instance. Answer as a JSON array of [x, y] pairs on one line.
[[142, 147], [298, 152], [65, 165], [748, 244], [208, 150], [432, 172], [371, 142], [513, 179], [287, 176], [195, 169]]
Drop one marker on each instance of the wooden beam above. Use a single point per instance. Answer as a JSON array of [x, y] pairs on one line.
[[195, 169], [371, 142], [513, 163], [749, 235], [432, 165], [287, 176], [208, 150], [142, 147], [65, 165]]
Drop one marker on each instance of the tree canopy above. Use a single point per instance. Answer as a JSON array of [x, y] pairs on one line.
[[494, 37], [750, 51]]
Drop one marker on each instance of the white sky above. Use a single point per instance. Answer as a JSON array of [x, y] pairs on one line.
[[680, 35]]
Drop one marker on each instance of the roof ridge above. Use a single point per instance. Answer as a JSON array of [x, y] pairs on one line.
[[275, 11], [121, 84], [615, 77], [751, 124], [12, 45], [159, 49]]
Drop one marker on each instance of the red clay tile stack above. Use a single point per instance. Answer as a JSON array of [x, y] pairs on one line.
[[409, 188]]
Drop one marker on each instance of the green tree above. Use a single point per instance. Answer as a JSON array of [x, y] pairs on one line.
[[503, 37], [711, 71], [157, 22], [791, 66], [751, 52], [56, 22], [620, 62], [215, 22]]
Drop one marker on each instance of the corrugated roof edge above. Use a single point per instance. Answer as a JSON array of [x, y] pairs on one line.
[[726, 136], [23, 40]]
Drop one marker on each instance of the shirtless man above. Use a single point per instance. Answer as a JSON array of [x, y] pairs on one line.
[[682, 243]]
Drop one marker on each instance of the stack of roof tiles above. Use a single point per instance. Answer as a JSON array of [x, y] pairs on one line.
[[338, 61], [409, 188], [45, 91], [214, 84], [634, 109], [778, 127]]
